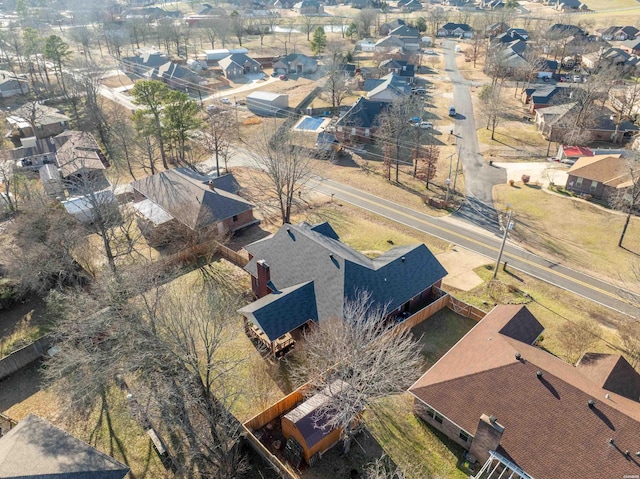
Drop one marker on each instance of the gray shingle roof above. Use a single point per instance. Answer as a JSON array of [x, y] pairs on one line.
[[35, 448], [187, 197], [298, 254]]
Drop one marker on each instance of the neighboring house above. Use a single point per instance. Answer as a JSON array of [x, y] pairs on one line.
[[389, 44], [491, 4], [386, 28], [568, 5], [143, 62], [510, 36], [303, 274], [34, 152], [617, 33], [410, 5], [359, 123], [459, 30], [83, 207], [12, 85], [555, 121], [181, 198], [562, 30], [547, 68], [611, 57], [566, 152], [495, 29], [37, 449], [541, 97], [604, 177], [387, 88], [35, 119], [238, 64], [80, 160], [309, 7], [516, 407], [298, 63], [401, 68], [410, 37], [175, 76], [631, 46]]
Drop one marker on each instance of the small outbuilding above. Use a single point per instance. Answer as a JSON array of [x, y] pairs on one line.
[[305, 427], [264, 103]]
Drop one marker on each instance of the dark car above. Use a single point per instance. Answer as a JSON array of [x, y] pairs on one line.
[[284, 77]]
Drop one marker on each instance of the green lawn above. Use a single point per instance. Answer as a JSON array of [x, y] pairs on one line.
[[574, 232]]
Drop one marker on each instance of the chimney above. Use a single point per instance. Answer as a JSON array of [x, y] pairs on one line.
[[264, 276], [211, 185], [487, 438]]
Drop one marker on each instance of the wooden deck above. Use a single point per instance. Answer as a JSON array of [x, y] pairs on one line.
[[280, 344]]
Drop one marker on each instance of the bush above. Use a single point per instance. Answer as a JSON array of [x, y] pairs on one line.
[[511, 182], [526, 179]]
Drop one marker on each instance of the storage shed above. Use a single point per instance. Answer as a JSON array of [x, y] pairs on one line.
[[264, 103], [306, 424]]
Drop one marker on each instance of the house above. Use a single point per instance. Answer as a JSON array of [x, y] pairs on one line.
[[183, 200], [603, 177], [561, 30], [264, 103], [617, 33], [410, 37], [631, 46], [611, 57], [35, 448], [541, 97], [174, 75], [555, 121], [566, 152], [309, 7], [400, 68], [495, 29], [360, 122], [459, 30], [568, 5], [491, 4], [386, 28], [12, 84], [306, 425], [303, 273], [387, 88], [143, 62], [239, 64], [35, 119], [389, 44], [360, 4], [80, 160], [516, 408], [33, 153], [298, 63], [410, 5], [83, 207]]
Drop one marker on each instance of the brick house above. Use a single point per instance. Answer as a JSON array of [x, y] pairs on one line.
[[238, 64], [36, 120], [604, 177], [525, 413], [182, 200], [359, 123], [303, 274]]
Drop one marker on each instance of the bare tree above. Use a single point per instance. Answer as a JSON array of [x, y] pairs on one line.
[[577, 337], [215, 136], [629, 332], [356, 360], [493, 108], [627, 199], [336, 86], [366, 19], [309, 24], [426, 162], [286, 165]]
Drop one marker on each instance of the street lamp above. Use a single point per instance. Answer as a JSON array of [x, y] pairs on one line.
[[446, 198]]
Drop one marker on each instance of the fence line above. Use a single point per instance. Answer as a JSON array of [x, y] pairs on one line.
[[425, 313], [6, 424], [275, 410], [23, 356], [465, 309], [276, 463]]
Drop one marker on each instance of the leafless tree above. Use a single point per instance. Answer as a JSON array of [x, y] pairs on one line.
[[215, 136], [309, 24], [493, 108], [288, 168], [426, 162], [629, 332], [577, 337], [627, 199], [337, 86], [366, 19], [356, 360]]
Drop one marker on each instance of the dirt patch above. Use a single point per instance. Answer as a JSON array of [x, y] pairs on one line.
[[460, 263]]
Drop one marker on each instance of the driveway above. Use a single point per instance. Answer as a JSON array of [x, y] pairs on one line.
[[539, 172]]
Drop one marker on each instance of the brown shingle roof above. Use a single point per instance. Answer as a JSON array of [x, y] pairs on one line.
[[611, 170], [611, 372], [79, 151], [550, 431]]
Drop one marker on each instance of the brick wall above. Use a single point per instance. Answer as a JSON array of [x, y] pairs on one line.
[[448, 428], [242, 219]]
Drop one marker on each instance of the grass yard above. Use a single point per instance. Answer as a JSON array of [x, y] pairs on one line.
[[597, 5], [421, 452], [575, 232], [552, 306]]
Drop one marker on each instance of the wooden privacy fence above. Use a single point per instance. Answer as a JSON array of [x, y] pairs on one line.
[[190, 255], [425, 313], [23, 356], [284, 405], [465, 309], [276, 463]]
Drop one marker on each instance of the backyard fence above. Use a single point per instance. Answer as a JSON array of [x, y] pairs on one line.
[[425, 313], [277, 464], [465, 309], [6, 423], [20, 358], [284, 405]]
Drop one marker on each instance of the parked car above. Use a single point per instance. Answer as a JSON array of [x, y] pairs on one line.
[[546, 79], [430, 52], [284, 77], [426, 125], [414, 121], [226, 101], [452, 111], [577, 78], [418, 91]]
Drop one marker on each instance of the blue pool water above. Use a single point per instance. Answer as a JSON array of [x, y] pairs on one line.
[[310, 124]]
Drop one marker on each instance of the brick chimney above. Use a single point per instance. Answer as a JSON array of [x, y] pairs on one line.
[[487, 438], [264, 276]]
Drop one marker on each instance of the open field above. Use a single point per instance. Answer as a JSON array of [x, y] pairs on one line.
[[597, 5], [573, 231]]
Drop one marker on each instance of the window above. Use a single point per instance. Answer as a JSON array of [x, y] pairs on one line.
[[437, 418], [367, 132], [579, 182], [594, 185], [235, 217], [353, 131], [464, 436]]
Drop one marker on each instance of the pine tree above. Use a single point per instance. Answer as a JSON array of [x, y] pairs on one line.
[[319, 41]]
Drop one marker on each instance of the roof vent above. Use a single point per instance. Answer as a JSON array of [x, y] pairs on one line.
[[493, 419], [607, 396], [539, 374], [611, 441], [627, 453], [330, 255], [638, 453], [518, 356], [403, 259], [591, 403]]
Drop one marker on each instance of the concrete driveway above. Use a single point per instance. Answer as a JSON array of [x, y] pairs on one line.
[[540, 172]]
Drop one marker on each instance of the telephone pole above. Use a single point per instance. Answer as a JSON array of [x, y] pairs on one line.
[[507, 227]]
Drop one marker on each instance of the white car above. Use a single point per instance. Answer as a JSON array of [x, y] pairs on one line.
[[226, 101], [427, 125]]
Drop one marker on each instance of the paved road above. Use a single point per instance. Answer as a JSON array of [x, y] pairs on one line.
[[477, 239]]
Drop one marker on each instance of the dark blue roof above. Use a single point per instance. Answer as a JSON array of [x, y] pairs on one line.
[[298, 254], [363, 113], [283, 311]]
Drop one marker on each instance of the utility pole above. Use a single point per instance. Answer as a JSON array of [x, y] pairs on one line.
[[508, 226]]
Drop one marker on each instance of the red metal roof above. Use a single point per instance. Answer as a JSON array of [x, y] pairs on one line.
[[576, 151]]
